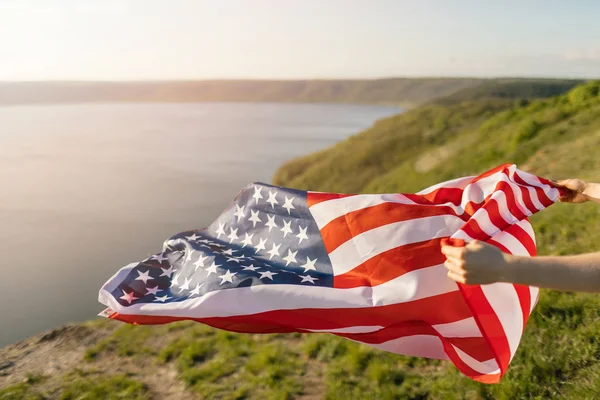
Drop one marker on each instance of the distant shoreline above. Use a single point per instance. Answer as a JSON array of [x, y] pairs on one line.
[[403, 92]]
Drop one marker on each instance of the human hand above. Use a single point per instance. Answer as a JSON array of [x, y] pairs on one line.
[[477, 263], [572, 190]]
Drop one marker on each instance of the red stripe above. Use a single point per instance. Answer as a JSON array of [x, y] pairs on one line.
[[493, 209], [503, 167], [438, 196], [511, 201], [473, 229], [488, 323], [523, 237], [313, 198], [542, 197], [347, 226], [523, 292], [468, 371], [392, 264], [476, 347], [392, 332], [440, 309]]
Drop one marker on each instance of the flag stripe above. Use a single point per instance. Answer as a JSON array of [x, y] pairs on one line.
[[426, 309], [345, 227], [376, 241], [415, 285], [318, 197], [391, 264]]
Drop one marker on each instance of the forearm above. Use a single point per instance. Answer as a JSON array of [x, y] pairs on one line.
[[592, 191], [568, 273]]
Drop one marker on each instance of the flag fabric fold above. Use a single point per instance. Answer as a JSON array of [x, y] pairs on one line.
[[365, 267]]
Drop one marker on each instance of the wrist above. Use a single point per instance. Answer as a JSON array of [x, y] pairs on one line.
[[509, 270]]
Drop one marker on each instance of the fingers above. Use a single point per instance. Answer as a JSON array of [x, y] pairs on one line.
[[457, 277], [454, 252]]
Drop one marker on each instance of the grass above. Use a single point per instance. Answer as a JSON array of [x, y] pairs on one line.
[[78, 385]]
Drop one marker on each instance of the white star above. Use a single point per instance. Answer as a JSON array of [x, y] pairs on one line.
[[288, 204], [229, 252], [233, 234], [272, 200], [175, 280], [261, 245], [271, 222], [308, 278], [193, 237], [186, 285], [291, 257], [167, 272], [250, 267], [152, 290], [310, 265], [196, 290], [159, 257], [257, 195], [163, 298], [239, 212], [212, 268], [227, 277], [189, 255], [267, 274], [254, 218], [233, 259], [302, 234], [128, 297], [200, 262], [286, 228], [221, 230], [274, 251], [247, 240], [144, 277]]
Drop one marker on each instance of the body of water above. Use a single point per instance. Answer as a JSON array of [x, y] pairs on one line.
[[86, 189]]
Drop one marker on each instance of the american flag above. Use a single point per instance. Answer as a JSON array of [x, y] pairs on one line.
[[365, 267]]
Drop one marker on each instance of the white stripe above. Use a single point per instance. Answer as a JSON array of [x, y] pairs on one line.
[[485, 223], [376, 241], [514, 187], [511, 243], [486, 367], [526, 226], [414, 285], [504, 299], [459, 329], [552, 193], [429, 346], [505, 303], [350, 329], [534, 292], [459, 183], [326, 211]]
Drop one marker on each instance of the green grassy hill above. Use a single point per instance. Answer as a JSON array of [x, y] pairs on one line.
[[559, 356], [398, 91]]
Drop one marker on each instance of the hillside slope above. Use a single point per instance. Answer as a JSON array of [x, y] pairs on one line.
[[398, 91], [559, 356]]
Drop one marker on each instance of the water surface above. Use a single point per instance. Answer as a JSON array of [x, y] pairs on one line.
[[86, 189]]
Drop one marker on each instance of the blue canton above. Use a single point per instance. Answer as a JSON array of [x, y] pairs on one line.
[[267, 236]]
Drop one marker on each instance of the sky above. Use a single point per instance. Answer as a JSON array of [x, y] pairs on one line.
[[296, 39]]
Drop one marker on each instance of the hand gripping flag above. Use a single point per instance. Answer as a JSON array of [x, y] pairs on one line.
[[365, 267]]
